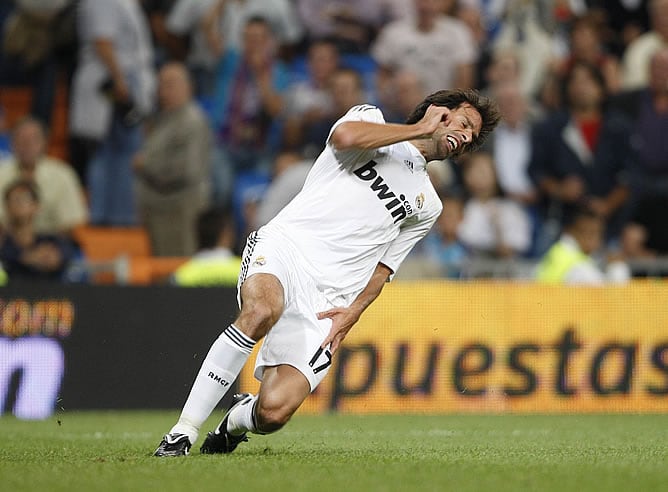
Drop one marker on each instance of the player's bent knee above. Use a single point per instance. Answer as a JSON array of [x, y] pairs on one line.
[[257, 319]]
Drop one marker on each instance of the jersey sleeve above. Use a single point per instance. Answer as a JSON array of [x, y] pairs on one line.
[[102, 18], [185, 14], [408, 237], [363, 112]]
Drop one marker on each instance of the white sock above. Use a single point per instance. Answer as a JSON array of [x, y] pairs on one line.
[[220, 368], [242, 418]]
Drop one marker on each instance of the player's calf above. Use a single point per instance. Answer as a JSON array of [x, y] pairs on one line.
[[271, 416]]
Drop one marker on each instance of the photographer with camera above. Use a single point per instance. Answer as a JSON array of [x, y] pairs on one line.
[[112, 89]]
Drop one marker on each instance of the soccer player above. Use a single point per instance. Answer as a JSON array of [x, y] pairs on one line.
[[307, 276]]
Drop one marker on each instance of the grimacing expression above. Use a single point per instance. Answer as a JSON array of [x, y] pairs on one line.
[[460, 128]]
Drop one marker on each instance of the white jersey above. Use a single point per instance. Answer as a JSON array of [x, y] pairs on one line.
[[358, 208]]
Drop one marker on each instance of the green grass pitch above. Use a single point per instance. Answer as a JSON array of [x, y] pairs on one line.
[[111, 451]]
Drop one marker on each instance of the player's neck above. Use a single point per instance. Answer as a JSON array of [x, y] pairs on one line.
[[426, 147]]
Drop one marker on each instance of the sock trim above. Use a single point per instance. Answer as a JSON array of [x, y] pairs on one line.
[[239, 339]]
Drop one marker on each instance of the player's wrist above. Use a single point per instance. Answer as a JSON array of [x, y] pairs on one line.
[[421, 130]]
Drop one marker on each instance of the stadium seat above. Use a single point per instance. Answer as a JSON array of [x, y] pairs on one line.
[[152, 270], [122, 255], [108, 243]]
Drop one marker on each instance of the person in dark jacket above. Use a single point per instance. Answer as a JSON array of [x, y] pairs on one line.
[[24, 253], [581, 156]]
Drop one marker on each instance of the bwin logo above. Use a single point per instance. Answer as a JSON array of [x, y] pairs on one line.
[[399, 207], [218, 379]]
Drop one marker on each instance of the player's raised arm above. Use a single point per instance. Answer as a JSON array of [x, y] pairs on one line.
[[368, 135]]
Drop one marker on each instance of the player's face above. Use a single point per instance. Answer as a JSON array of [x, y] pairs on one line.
[[460, 128]]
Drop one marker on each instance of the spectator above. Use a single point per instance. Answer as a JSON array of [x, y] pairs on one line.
[[471, 14], [397, 9], [187, 41], [167, 45], [404, 92], [624, 22], [309, 134], [62, 205], [310, 98], [571, 260], [38, 37], [112, 89], [504, 66], [638, 54], [225, 21], [550, 97], [492, 225], [586, 45], [215, 263], [248, 102], [431, 40], [510, 144], [442, 245], [290, 171], [646, 234], [352, 24], [205, 29], [488, 14], [582, 155], [26, 254], [524, 33], [634, 239], [173, 167]]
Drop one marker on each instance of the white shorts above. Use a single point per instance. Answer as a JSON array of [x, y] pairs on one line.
[[296, 337]]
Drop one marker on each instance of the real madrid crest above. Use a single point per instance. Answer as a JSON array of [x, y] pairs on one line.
[[419, 201]]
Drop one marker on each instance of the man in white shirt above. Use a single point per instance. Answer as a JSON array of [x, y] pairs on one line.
[[432, 39], [638, 55], [216, 25], [62, 203], [307, 276]]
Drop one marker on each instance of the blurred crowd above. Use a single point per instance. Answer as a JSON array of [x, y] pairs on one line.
[[187, 111]]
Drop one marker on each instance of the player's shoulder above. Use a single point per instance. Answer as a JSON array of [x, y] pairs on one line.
[[360, 108], [365, 112]]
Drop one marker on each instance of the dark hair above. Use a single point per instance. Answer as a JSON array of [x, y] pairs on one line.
[[259, 19], [466, 161], [594, 72], [210, 225], [24, 184], [488, 110], [581, 212], [350, 71], [29, 120], [324, 41]]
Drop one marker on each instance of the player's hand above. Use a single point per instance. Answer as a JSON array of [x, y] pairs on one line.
[[343, 320], [433, 117]]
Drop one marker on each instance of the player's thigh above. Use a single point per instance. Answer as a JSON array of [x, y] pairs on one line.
[[283, 390], [262, 303]]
